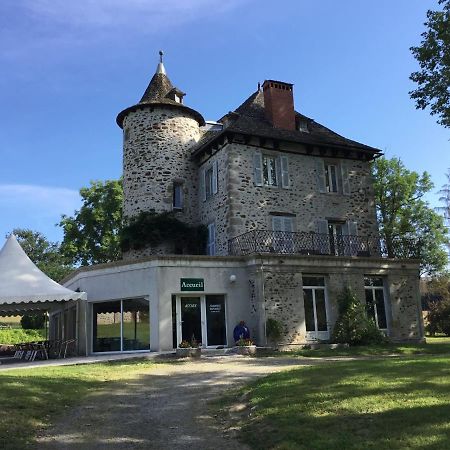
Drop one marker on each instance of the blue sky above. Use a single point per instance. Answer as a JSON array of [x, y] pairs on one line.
[[68, 68]]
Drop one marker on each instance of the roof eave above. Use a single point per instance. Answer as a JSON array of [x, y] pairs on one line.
[[121, 116], [376, 153]]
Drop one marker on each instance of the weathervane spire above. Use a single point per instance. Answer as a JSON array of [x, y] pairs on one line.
[[161, 68]]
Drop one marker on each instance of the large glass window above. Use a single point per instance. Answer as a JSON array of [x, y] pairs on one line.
[[107, 326], [315, 307], [121, 325], [215, 320], [375, 302], [136, 326]]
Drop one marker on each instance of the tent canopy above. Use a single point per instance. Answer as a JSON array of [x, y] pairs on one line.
[[23, 287]]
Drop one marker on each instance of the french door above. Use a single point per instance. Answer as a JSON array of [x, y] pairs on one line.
[[201, 318], [315, 301]]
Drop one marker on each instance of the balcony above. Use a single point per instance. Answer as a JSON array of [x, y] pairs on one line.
[[304, 243]]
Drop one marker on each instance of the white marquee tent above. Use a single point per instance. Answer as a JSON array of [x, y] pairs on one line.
[[23, 287]]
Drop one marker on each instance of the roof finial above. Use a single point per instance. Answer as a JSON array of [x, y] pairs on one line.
[[161, 68]]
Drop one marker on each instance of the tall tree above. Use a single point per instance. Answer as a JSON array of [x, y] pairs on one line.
[[445, 200], [404, 215], [92, 235], [433, 55], [45, 254]]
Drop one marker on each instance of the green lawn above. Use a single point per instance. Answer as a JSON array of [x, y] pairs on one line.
[[434, 346], [389, 403], [31, 399]]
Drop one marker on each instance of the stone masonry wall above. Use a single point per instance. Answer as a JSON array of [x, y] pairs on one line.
[[250, 206], [156, 153], [406, 309], [216, 208], [282, 293]]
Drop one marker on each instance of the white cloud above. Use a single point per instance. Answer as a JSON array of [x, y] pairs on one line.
[[146, 15], [35, 207]]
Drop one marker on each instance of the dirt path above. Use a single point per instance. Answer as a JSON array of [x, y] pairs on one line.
[[164, 409]]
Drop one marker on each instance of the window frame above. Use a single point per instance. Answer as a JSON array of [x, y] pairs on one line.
[[373, 289], [317, 334], [177, 187], [329, 178], [211, 243], [272, 175]]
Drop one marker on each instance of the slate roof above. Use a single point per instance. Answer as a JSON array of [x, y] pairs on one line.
[[157, 94], [249, 118]]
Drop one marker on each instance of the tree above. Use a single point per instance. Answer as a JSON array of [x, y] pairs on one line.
[[433, 55], [352, 326], [92, 235], [445, 200], [45, 254], [403, 214]]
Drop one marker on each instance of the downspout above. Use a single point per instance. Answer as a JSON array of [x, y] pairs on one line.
[[263, 302]]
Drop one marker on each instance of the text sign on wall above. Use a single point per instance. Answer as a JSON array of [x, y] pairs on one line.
[[192, 284]]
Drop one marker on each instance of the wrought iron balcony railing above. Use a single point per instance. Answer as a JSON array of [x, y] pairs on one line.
[[304, 243]]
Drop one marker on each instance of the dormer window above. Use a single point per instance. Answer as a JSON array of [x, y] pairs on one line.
[[303, 126], [176, 95]]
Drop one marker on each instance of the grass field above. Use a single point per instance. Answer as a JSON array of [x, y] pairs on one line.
[[390, 403], [31, 399]]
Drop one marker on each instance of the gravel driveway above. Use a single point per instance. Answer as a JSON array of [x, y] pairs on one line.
[[164, 409]]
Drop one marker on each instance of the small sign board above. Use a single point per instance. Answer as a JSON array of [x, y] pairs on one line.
[[192, 284]]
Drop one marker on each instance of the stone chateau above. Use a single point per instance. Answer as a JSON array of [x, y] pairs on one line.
[[290, 213]]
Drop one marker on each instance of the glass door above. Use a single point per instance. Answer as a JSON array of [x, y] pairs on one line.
[[215, 320], [202, 318], [315, 308], [191, 319]]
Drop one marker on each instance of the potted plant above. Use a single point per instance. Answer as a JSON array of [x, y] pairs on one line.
[[245, 347], [189, 349]]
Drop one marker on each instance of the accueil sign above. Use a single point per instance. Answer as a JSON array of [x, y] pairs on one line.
[[192, 284]]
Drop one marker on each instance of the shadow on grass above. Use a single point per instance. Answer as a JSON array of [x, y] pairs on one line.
[[364, 404]]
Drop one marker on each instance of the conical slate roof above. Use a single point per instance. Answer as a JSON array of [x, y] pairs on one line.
[[160, 93], [21, 282]]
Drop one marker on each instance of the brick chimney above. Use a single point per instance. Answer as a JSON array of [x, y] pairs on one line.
[[279, 104]]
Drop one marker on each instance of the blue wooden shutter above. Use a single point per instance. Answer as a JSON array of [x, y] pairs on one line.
[[320, 173], [214, 177], [284, 169], [257, 168], [345, 178], [202, 185]]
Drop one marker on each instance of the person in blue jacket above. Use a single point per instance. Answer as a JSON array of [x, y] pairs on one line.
[[241, 331]]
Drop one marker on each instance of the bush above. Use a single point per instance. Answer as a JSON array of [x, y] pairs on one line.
[[439, 317], [151, 229], [353, 327], [32, 322], [17, 336], [274, 329]]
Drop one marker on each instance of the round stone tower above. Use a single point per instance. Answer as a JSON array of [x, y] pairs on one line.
[[158, 175]]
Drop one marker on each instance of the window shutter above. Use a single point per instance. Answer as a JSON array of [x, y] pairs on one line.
[[214, 177], [323, 241], [257, 168], [352, 228], [288, 225], [202, 185], [277, 223], [320, 172], [284, 165], [345, 179], [211, 239], [322, 226]]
